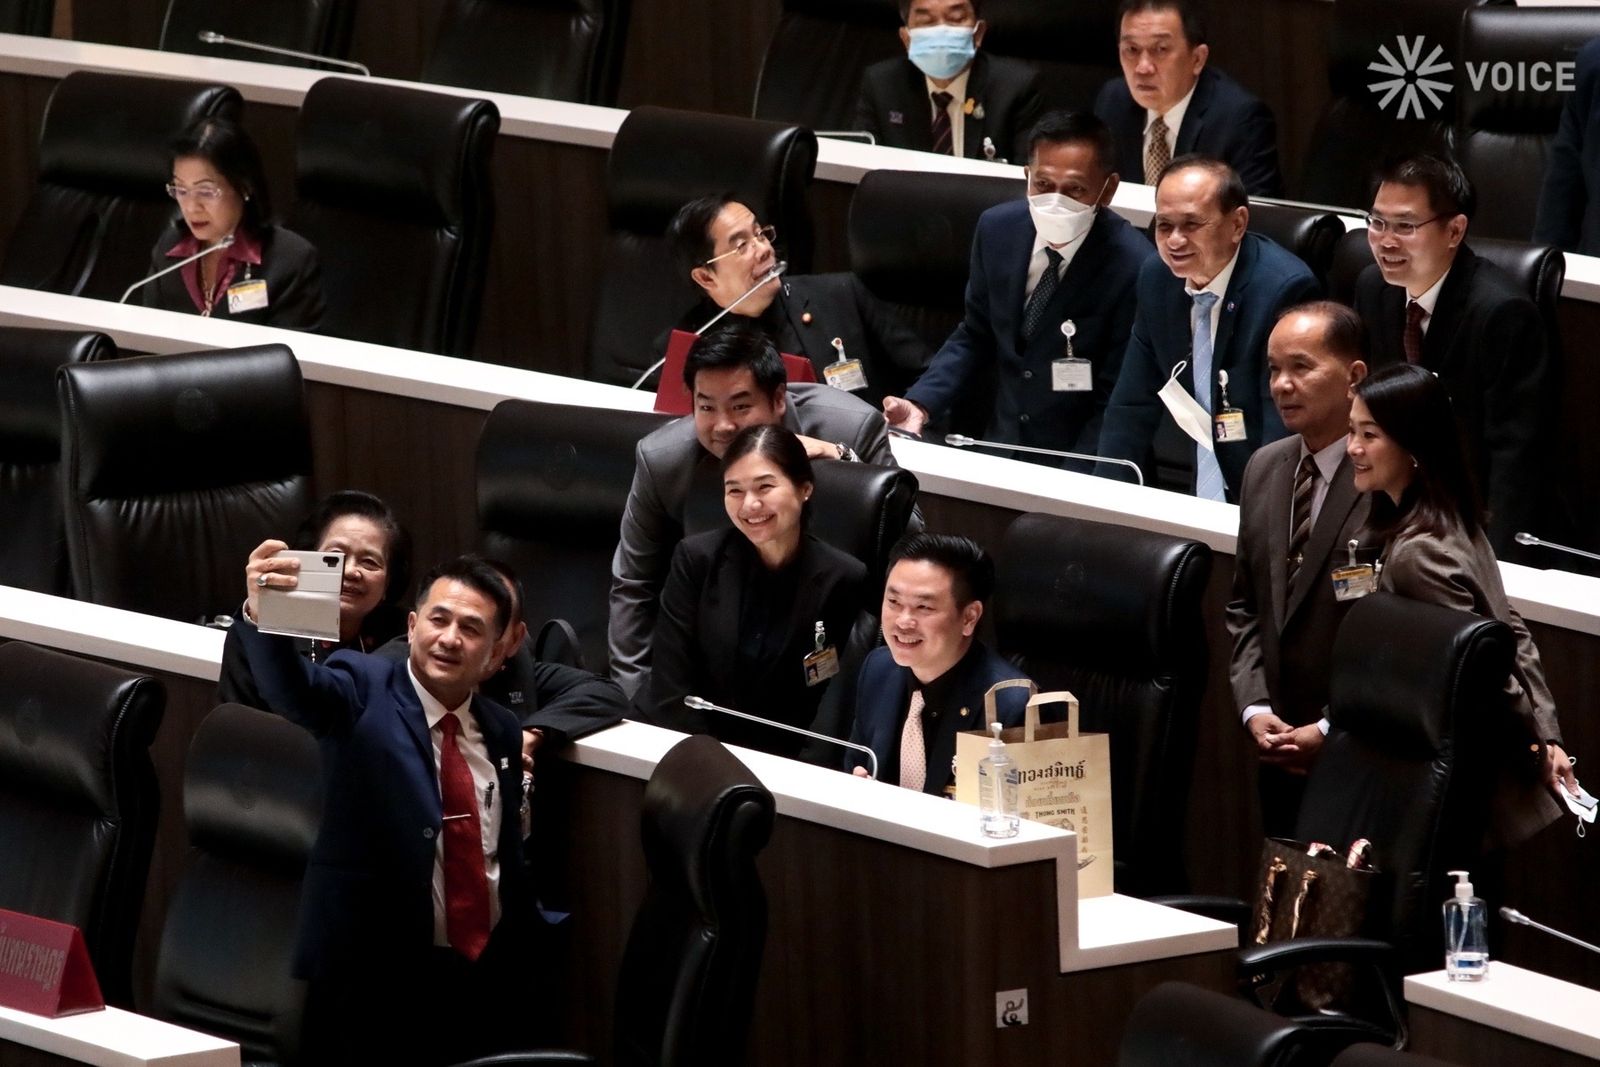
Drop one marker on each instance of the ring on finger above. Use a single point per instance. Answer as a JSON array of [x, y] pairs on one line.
[[261, 580]]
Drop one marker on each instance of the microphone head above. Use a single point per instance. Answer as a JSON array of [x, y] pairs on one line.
[[957, 440], [1512, 915], [697, 703], [210, 37], [778, 269], [1525, 538], [227, 241]]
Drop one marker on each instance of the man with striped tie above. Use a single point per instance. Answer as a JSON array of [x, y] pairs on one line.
[[1298, 511]]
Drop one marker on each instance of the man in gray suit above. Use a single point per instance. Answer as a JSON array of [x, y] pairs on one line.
[[736, 379], [1298, 510]]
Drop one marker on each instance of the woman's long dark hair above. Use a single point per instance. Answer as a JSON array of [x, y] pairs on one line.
[[782, 448], [230, 151], [1411, 407]]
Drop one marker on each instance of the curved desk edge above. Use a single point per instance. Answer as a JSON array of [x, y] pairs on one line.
[[1518, 1001], [116, 1038], [126, 637]]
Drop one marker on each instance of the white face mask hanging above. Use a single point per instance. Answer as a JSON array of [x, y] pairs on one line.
[[1185, 410]]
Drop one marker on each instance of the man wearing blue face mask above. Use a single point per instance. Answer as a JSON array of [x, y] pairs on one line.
[[945, 96], [1058, 260]]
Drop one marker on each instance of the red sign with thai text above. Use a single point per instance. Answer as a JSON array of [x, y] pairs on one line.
[[45, 968]]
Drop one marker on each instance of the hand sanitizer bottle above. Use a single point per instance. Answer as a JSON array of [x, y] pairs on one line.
[[1466, 933], [997, 790]]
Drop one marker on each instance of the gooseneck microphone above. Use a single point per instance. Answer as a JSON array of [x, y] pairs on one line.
[[701, 704], [956, 440], [776, 272], [1512, 915], [211, 37], [226, 242], [1526, 538]]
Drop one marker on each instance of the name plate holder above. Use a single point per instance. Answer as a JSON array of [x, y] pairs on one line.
[[45, 968]]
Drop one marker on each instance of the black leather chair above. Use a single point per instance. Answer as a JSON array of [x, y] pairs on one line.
[[252, 803], [174, 468], [1539, 270], [1378, 1056], [1353, 135], [31, 17], [321, 27], [552, 483], [33, 544], [101, 200], [1503, 136], [556, 49], [811, 74], [1310, 233], [393, 188], [1179, 1025], [1114, 616], [659, 161], [78, 799], [1074, 46], [911, 246], [861, 509], [1415, 698]]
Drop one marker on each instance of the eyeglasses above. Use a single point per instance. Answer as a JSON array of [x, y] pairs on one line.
[[200, 192], [764, 234], [1380, 225]]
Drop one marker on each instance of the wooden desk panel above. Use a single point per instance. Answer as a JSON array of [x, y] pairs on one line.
[[1470, 1044]]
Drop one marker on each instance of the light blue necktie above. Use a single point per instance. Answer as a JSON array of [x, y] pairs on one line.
[[1209, 484]]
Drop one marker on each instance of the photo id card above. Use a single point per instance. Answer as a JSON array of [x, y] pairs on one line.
[[1354, 581], [1071, 375], [248, 295], [846, 375], [821, 665], [1229, 426]]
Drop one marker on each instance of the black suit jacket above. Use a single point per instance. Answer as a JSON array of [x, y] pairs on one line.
[[697, 639], [894, 106], [1223, 120], [288, 263], [1569, 202], [1486, 342]]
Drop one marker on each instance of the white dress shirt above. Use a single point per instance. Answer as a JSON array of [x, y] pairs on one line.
[[958, 101], [1219, 286], [469, 742], [1174, 120], [1428, 299], [1037, 260]]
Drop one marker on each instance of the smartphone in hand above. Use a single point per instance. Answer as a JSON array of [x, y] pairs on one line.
[[312, 608]]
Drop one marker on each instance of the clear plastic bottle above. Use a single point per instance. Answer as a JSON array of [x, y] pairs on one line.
[[1466, 933], [997, 790]]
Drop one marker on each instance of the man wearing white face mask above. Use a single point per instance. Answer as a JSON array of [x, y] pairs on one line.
[[945, 96], [1059, 256]]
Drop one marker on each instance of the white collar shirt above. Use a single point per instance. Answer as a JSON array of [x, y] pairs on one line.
[[956, 109]]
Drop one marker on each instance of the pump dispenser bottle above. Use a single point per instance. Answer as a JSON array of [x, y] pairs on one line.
[[1466, 933], [998, 783]]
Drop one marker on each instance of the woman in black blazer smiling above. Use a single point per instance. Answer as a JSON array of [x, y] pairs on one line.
[[758, 617], [268, 275]]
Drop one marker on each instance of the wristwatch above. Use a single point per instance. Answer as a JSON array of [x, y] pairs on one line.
[[846, 453]]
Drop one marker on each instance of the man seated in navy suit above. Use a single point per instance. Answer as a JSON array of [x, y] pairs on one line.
[[945, 95], [1059, 258], [927, 684], [1169, 103], [416, 921], [1199, 342]]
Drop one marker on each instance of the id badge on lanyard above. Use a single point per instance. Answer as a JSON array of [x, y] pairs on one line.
[[1354, 580], [842, 373], [1229, 422], [823, 662], [1070, 373]]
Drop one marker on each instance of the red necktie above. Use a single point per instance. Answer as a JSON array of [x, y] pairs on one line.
[[466, 886], [1413, 335]]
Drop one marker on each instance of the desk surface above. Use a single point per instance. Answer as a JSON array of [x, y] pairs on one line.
[[116, 1038], [1525, 1003]]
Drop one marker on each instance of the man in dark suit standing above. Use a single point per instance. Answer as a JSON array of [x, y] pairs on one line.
[[927, 683], [1569, 202], [1298, 511], [1429, 299], [1200, 337], [1059, 256], [1168, 103], [416, 916], [945, 96]]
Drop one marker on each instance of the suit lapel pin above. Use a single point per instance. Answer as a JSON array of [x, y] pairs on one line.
[[805, 317], [965, 712], [973, 108], [1231, 305], [896, 119], [505, 763]]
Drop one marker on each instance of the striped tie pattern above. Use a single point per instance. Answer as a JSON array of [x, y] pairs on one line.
[[1156, 153], [913, 749], [1300, 522], [943, 140]]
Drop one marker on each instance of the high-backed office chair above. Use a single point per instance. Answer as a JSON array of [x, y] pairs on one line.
[[393, 189], [1503, 135], [862, 509], [78, 799], [659, 161], [321, 27], [811, 74], [1074, 46], [1179, 1025], [552, 483], [911, 246], [1309, 233], [101, 200], [1354, 134], [174, 468], [252, 803], [1114, 615], [33, 543], [1419, 726], [31, 17], [556, 49], [1378, 1056]]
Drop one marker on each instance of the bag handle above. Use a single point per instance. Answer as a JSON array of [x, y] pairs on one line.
[[1061, 696], [991, 715]]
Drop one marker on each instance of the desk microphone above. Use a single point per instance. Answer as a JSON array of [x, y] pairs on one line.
[[776, 272], [1528, 539], [1512, 915], [957, 440], [701, 704], [226, 242], [210, 37]]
